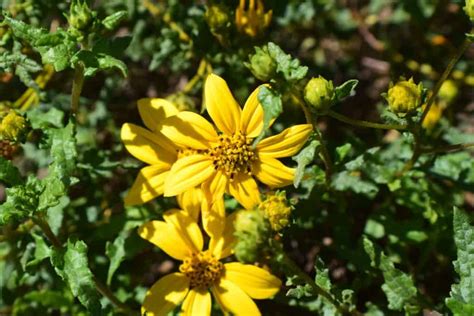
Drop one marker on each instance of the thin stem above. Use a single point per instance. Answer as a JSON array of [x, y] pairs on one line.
[[443, 77], [201, 72], [106, 292], [361, 123], [416, 151], [77, 84], [449, 148], [43, 224]]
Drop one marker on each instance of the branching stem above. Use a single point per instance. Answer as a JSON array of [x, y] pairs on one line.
[[361, 123]]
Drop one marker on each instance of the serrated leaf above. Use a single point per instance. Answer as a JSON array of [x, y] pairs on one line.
[[398, 286], [42, 250], [94, 62], [272, 106], [71, 264], [300, 291], [322, 275], [9, 174], [22, 201], [116, 252], [461, 300], [346, 89], [289, 67], [113, 20], [353, 181], [303, 159]]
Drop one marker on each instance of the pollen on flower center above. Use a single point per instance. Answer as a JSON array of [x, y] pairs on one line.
[[202, 269], [187, 152], [233, 154]]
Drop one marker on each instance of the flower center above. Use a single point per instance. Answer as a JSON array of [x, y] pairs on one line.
[[202, 269], [233, 155], [187, 152]]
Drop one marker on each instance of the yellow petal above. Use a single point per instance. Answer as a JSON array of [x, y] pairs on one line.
[[146, 146], [251, 123], [256, 282], [245, 190], [287, 143], [214, 187], [272, 172], [190, 201], [154, 110], [167, 238], [197, 302], [148, 185], [221, 105], [222, 246], [167, 293], [188, 172], [187, 228], [233, 299], [213, 217], [189, 130]]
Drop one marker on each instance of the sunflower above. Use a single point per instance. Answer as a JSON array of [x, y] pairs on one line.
[[233, 285], [152, 147], [228, 161]]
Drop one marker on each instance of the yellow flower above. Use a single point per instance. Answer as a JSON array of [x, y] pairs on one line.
[[433, 116], [276, 209], [253, 21], [233, 284], [228, 161], [152, 147]]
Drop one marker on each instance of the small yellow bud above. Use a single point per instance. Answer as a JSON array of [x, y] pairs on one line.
[[262, 65], [320, 94], [433, 116], [276, 210], [13, 127], [80, 15], [448, 91], [404, 97], [217, 17], [469, 9]]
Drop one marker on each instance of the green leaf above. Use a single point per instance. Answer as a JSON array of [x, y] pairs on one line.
[[94, 62], [72, 266], [343, 151], [272, 105], [22, 201], [290, 68], [461, 300], [116, 252], [346, 89], [42, 250], [303, 159], [398, 286], [353, 181], [9, 174], [112, 21]]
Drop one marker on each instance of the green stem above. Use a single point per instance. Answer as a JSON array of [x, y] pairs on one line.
[[101, 288], [416, 151], [77, 85], [449, 148], [443, 77], [361, 123]]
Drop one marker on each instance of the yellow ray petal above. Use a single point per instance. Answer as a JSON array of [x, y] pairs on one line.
[[272, 172], [167, 293], [189, 130], [233, 299], [214, 187], [148, 185], [245, 190], [221, 105], [190, 201], [197, 302], [146, 146], [213, 217], [256, 282], [154, 110], [167, 238], [188, 172], [222, 246], [187, 228], [251, 123], [287, 143]]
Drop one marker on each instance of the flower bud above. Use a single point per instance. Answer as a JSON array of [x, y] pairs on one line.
[[80, 15], [433, 116], [262, 65], [448, 91], [404, 97], [319, 93], [469, 9], [13, 127], [276, 209], [217, 17], [252, 231]]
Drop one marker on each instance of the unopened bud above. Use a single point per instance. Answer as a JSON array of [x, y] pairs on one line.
[[404, 97], [319, 93], [252, 231], [13, 127], [217, 17], [448, 91], [262, 65], [276, 209], [80, 15]]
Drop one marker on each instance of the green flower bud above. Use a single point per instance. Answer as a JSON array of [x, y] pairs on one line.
[[469, 9], [217, 17], [252, 231], [13, 127], [448, 91], [262, 65], [319, 93], [276, 209], [80, 15], [404, 97]]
